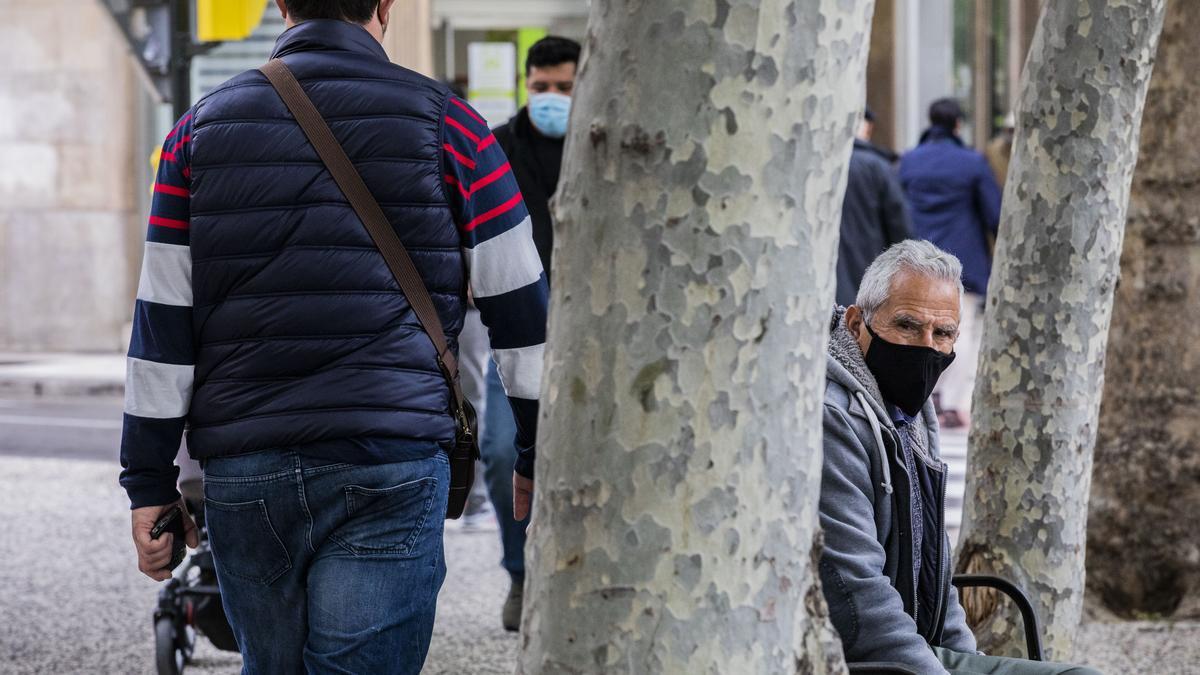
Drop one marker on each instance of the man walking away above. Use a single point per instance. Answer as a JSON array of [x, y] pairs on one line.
[[533, 142], [956, 205], [268, 323], [874, 215]]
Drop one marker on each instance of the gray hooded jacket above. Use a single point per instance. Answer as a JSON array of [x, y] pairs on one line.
[[883, 608]]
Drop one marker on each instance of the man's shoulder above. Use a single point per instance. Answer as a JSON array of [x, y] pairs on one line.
[[866, 149], [508, 133], [248, 78], [838, 397], [504, 133], [870, 164], [965, 154], [380, 73]]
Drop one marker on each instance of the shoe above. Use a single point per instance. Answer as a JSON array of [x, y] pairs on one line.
[[483, 520], [511, 616], [478, 515]]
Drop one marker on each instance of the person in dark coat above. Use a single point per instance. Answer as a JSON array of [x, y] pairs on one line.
[[866, 132], [533, 143], [533, 139], [953, 194], [874, 215], [955, 204]]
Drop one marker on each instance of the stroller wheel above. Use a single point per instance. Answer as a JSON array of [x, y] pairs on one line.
[[172, 646]]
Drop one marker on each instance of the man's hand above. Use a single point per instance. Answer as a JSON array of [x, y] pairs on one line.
[[522, 496], [155, 554]]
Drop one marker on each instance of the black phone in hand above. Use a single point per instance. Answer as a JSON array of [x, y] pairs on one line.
[[172, 521]]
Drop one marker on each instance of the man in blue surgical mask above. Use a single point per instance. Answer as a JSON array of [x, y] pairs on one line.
[[533, 139], [533, 143]]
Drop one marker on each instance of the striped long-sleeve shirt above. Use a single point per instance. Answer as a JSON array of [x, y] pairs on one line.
[[507, 282]]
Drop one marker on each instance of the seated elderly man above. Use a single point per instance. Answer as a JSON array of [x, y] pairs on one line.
[[886, 565]]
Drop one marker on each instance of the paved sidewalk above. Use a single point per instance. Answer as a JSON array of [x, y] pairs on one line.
[[75, 603], [35, 375]]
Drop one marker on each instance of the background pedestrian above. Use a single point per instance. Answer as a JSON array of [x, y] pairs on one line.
[[956, 205]]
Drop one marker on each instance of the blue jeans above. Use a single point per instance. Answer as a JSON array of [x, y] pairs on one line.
[[327, 567], [499, 455]]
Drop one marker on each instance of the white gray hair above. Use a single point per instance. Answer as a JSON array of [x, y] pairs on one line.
[[912, 255]]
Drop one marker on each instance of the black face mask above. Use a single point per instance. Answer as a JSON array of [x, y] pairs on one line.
[[906, 374]]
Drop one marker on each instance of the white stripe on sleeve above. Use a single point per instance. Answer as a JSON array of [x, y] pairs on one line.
[[166, 275], [521, 370], [157, 390], [505, 262]]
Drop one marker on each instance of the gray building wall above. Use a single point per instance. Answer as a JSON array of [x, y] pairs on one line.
[[68, 207]]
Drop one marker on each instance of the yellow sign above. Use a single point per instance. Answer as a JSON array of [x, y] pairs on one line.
[[225, 20]]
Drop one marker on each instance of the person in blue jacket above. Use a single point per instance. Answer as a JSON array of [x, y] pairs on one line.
[[955, 204]]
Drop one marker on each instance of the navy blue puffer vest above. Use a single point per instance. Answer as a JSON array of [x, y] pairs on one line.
[[303, 336]]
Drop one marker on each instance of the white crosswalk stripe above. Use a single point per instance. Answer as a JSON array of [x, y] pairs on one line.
[[954, 454]]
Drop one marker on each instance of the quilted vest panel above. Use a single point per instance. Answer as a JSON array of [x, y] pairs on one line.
[[302, 333]]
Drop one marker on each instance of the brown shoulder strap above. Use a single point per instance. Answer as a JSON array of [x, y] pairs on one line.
[[381, 231]]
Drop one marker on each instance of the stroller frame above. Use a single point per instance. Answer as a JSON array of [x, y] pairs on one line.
[[189, 604]]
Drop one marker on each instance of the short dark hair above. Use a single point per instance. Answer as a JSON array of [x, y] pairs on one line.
[[358, 11], [945, 113], [551, 51]]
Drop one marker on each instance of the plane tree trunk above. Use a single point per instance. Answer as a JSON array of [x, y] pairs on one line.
[[675, 526], [1050, 299]]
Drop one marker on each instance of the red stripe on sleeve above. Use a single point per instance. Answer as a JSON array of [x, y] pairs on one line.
[[461, 158], [467, 109], [462, 129], [183, 140], [167, 156], [494, 213], [171, 190], [481, 183], [187, 172], [489, 179], [171, 223], [486, 143], [451, 180]]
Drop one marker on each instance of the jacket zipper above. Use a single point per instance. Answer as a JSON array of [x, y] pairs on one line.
[[943, 554], [906, 537]]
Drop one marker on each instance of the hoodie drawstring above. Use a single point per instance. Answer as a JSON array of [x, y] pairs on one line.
[[881, 449]]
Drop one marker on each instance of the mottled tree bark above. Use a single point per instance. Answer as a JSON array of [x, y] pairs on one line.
[[1143, 544], [1049, 303], [675, 526]]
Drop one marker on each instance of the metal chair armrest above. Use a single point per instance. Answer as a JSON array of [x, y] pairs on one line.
[[1033, 633]]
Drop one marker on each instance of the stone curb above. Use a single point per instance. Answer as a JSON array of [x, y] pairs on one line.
[[34, 376], [58, 388]]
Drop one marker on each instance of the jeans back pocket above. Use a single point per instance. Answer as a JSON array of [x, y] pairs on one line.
[[386, 521], [244, 543]]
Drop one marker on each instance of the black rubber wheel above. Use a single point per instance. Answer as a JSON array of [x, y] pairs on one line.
[[167, 655]]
